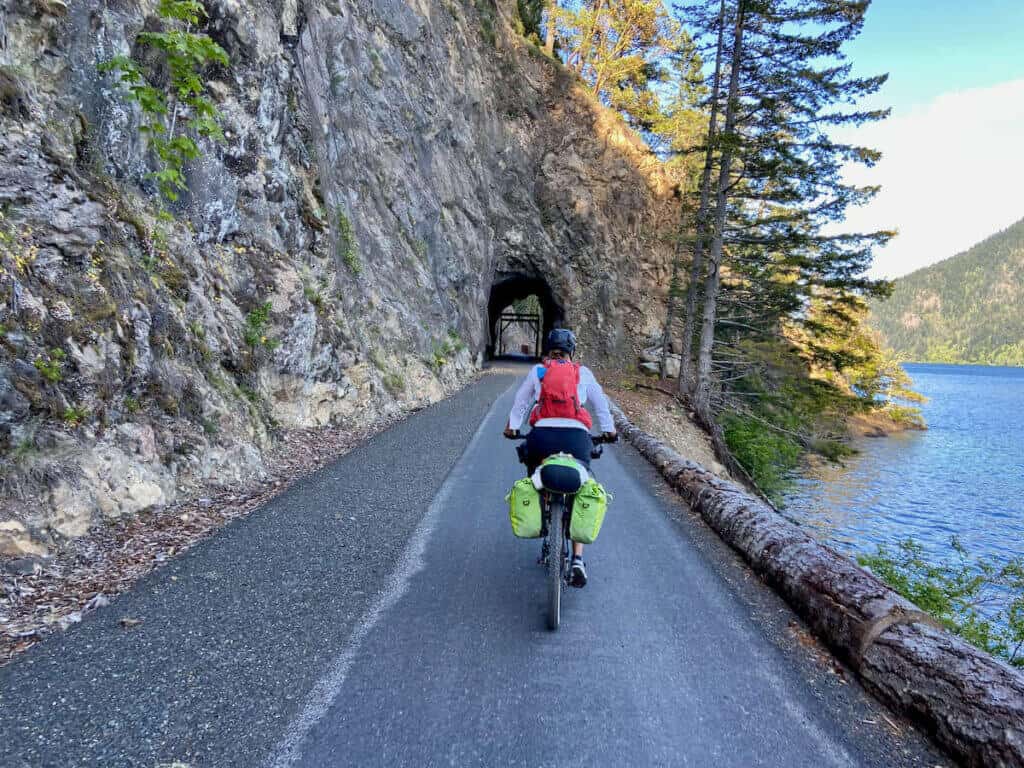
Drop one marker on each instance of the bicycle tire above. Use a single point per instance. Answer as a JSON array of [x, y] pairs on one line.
[[555, 557]]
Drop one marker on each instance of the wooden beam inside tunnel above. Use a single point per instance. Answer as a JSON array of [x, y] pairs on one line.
[[508, 319], [509, 288]]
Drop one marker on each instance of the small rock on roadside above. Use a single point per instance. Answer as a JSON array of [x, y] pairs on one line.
[[24, 566]]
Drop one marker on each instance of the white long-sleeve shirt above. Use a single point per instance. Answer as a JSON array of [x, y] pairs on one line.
[[589, 389]]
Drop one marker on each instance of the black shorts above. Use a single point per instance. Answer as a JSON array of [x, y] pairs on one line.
[[542, 442]]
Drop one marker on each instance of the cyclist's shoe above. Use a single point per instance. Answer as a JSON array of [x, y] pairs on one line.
[[577, 572]]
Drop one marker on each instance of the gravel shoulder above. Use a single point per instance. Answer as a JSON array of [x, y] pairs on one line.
[[40, 596]]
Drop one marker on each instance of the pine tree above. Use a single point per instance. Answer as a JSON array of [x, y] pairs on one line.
[[729, 144], [717, 24], [530, 14], [622, 49], [780, 180]]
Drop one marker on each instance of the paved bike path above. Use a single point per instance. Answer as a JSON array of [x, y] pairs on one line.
[[380, 613], [657, 663]]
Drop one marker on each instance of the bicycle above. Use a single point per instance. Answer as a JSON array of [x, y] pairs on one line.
[[560, 483]]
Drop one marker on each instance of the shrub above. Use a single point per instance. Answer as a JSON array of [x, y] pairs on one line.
[[75, 415], [347, 242], [487, 19], [455, 342], [767, 455], [443, 349], [177, 102], [255, 328], [394, 384], [315, 298], [50, 365]]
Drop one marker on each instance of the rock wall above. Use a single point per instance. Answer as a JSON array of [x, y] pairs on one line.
[[384, 163]]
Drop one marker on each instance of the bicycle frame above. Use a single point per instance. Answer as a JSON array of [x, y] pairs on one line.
[[558, 571], [546, 497]]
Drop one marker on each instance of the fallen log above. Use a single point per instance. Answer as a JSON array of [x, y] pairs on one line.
[[970, 702]]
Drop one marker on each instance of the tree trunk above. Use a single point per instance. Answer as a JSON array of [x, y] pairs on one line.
[[670, 310], [697, 264], [670, 313], [549, 33], [971, 703], [702, 391], [587, 40]]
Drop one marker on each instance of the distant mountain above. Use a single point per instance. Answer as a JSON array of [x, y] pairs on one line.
[[966, 309]]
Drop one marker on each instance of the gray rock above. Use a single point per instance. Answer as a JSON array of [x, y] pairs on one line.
[[24, 566], [672, 364], [381, 171], [651, 355], [16, 541], [14, 406]]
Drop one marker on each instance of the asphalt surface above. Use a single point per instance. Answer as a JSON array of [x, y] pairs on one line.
[[380, 612]]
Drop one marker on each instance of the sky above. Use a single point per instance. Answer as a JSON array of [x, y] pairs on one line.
[[952, 171]]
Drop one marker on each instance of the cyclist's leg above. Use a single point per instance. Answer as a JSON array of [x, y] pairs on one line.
[[537, 446], [577, 442]]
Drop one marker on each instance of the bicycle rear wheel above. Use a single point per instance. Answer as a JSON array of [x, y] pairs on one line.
[[555, 558]]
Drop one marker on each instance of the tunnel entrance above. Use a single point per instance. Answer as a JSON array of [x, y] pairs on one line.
[[521, 312]]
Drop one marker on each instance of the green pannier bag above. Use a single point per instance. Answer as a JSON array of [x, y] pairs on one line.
[[524, 509], [588, 510]]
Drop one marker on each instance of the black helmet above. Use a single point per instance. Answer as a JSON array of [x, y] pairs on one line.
[[563, 339]]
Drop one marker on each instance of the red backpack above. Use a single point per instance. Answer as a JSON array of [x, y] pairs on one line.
[[559, 398]]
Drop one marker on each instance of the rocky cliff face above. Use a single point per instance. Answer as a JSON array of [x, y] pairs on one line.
[[386, 165]]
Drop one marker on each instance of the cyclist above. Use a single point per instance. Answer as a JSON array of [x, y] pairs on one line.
[[562, 431]]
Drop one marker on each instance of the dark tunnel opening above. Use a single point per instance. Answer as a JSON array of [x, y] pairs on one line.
[[511, 293]]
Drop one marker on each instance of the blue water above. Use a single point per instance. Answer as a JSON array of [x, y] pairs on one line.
[[962, 477]]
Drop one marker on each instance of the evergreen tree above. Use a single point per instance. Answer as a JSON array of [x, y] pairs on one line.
[[625, 50], [530, 14], [779, 183], [716, 24], [702, 388]]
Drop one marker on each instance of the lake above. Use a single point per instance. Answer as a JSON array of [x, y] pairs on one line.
[[962, 477]]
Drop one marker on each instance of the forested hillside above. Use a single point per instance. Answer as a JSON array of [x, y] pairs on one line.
[[966, 309]]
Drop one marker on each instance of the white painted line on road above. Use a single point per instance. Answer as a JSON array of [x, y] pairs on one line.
[[326, 690]]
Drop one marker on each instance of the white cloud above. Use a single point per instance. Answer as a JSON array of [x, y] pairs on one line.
[[951, 175]]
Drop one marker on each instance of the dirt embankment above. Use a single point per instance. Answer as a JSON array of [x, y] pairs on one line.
[[878, 424], [660, 414]]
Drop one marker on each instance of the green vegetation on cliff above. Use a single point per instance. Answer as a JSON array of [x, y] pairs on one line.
[[965, 309], [178, 106]]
